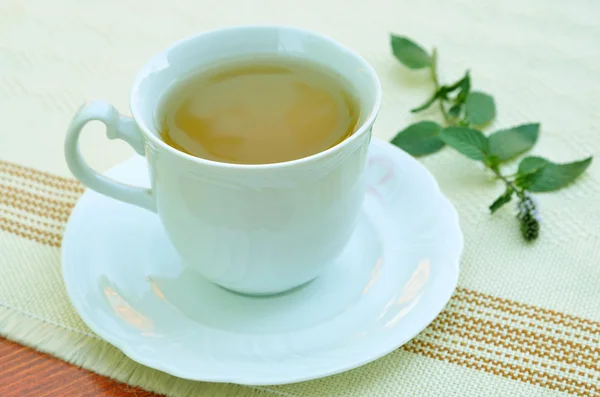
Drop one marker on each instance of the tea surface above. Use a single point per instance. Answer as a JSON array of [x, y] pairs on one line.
[[258, 111]]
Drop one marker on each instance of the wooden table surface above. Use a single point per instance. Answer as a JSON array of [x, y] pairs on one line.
[[25, 372]]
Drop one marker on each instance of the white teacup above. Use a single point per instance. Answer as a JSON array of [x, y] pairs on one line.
[[256, 229]]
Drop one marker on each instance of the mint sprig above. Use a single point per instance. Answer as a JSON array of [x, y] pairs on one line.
[[465, 113]]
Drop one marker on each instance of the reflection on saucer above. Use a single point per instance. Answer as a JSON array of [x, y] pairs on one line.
[[124, 311], [411, 292]]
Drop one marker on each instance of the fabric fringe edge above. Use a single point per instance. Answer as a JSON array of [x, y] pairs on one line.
[[98, 356]]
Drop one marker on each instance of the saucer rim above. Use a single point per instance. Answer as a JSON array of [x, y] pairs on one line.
[[378, 351]]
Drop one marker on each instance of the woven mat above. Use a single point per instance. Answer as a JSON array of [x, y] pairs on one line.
[[525, 320]]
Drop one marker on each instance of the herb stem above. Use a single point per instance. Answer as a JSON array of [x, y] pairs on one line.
[[436, 83], [507, 181]]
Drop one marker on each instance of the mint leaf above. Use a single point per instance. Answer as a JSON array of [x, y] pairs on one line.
[[429, 102], [412, 55], [514, 141], [467, 141], [524, 181], [531, 164], [480, 108], [537, 174], [442, 93], [503, 199], [492, 161], [455, 111], [465, 89], [463, 83], [420, 139]]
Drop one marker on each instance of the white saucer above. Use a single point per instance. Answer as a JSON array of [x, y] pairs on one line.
[[396, 274]]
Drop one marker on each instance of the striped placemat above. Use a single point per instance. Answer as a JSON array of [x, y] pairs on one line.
[[525, 320], [483, 333]]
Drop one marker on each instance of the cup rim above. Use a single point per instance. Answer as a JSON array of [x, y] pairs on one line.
[[142, 74]]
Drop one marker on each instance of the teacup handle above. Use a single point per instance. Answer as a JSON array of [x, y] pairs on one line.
[[117, 127]]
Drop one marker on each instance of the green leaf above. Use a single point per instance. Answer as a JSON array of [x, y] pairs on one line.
[[492, 161], [420, 139], [412, 55], [454, 86], [460, 83], [509, 143], [540, 175], [470, 142], [531, 164], [443, 91], [524, 181], [455, 111], [527, 170], [465, 88], [503, 199], [428, 103], [480, 108]]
